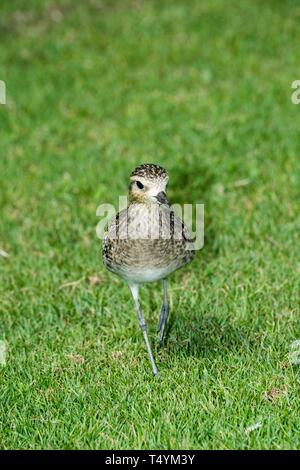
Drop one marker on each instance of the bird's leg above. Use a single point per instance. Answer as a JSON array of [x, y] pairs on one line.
[[135, 293], [164, 313]]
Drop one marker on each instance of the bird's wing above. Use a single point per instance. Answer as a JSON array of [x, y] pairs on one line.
[[175, 227]]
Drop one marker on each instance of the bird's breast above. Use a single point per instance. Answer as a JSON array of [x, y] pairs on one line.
[[140, 243]]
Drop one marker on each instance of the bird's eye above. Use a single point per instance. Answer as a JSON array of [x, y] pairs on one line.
[[139, 185]]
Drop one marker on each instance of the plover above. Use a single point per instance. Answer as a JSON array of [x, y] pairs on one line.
[[146, 242]]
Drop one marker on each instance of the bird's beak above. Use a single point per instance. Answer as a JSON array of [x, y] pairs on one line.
[[162, 198]]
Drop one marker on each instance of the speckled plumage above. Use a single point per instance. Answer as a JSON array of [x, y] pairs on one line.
[[150, 171], [146, 241], [132, 253]]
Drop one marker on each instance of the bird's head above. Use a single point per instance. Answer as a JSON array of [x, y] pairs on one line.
[[148, 184]]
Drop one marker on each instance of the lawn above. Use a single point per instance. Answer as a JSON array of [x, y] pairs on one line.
[[203, 88]]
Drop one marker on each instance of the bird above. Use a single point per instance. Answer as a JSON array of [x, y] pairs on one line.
[[147, 241]]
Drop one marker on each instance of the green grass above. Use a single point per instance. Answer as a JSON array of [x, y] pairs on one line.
[[202, 88]]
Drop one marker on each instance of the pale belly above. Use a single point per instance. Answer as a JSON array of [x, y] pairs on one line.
[[144, 259], [147, 275], [139, 276]]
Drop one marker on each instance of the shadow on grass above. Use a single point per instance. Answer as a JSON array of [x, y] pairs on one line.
[[212, 336], [192, 183]]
